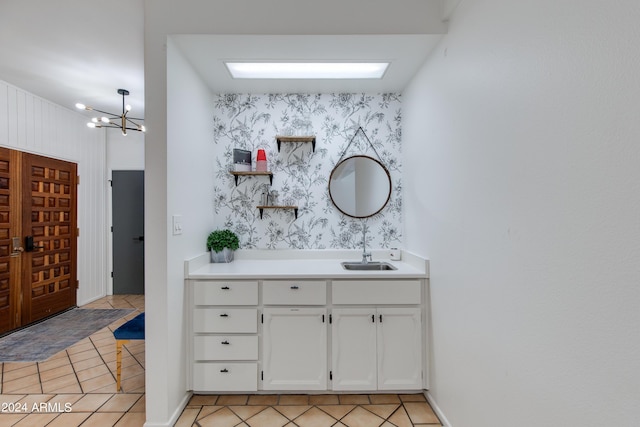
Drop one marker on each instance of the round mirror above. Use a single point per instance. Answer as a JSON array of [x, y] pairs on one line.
[[360, 186]]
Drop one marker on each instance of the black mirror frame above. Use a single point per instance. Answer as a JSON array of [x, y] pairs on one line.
[[384, 168]]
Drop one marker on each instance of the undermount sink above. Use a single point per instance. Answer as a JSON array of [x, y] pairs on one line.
[[369, 266]]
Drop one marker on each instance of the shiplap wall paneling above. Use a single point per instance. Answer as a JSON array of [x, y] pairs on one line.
[[4, 114], [35, 125]]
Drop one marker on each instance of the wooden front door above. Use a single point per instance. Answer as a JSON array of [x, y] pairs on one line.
[[38, 237], [9, 227]]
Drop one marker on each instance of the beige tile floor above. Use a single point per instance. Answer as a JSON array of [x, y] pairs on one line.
[[77, 386], [330, 410]]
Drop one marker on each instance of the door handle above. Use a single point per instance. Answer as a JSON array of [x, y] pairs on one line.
[[139, 239], [29, 245]]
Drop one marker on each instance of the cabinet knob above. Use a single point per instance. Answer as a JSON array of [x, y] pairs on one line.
[[224, 315], [294, 287], [225, 288], [224, 371], [225, 342]]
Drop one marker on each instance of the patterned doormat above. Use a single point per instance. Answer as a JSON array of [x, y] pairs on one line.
[[39, 342]]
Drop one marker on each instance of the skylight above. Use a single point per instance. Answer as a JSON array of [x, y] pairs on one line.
[[307, 70]]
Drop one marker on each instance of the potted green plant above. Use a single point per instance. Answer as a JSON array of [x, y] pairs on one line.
[[221, 244]]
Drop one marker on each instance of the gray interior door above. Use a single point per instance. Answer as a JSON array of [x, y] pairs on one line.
[[128, 231]]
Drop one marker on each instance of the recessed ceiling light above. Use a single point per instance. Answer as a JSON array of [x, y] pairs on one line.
[[307, 70]]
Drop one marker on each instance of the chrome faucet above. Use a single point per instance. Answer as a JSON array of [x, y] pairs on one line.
[[366, 256]]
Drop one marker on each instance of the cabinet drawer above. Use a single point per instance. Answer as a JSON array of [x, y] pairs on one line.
[[225, 321], [225, 293], [294, 292], [376, 292], [225, 377], [221, 347]]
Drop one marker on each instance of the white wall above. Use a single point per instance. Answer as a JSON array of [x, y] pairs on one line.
[[522, 188], [166, 17], [125, 152], [189, 193], [31, 124], [189, 169]]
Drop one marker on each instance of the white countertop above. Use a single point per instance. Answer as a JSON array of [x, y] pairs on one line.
[[301, 269]]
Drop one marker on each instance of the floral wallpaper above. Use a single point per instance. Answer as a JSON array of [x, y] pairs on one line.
[[300, 175]]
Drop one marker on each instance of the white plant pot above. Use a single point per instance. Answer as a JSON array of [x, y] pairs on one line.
[[226, 255]]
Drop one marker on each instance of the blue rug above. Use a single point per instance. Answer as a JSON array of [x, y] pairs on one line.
[[39, 342]]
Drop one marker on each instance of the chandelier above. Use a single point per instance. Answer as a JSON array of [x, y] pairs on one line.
[[112, 120]]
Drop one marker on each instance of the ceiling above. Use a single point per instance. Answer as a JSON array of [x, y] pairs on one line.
[[207, 54], [71, 51]]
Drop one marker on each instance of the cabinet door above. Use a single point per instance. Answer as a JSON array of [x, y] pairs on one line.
[[354, 349], [399, 349], [294, 349]]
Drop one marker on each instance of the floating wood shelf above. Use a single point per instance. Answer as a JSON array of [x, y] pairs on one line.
[[252, 173], [263, 207], [308, 138]]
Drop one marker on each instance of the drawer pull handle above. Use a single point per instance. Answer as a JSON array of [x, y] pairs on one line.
[[373, 318], [224, 315], [224, 371], [225, 342], [225, 288], [294, 287]]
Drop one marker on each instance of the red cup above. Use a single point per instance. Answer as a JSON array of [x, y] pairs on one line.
[[261, 155]]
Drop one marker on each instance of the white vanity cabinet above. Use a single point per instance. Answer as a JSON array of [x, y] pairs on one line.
[[225, 340], [306, 326], [354, 350], [294, 336], [399, 342], [376, 347], [294, 353]]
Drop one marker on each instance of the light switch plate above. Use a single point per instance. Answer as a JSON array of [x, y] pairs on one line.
[[177, 224]]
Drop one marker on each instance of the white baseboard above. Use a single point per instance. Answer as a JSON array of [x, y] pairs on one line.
[[443, 419], [176, 414]]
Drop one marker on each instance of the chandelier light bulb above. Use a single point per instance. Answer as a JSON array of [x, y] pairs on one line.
[[109, 120]]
